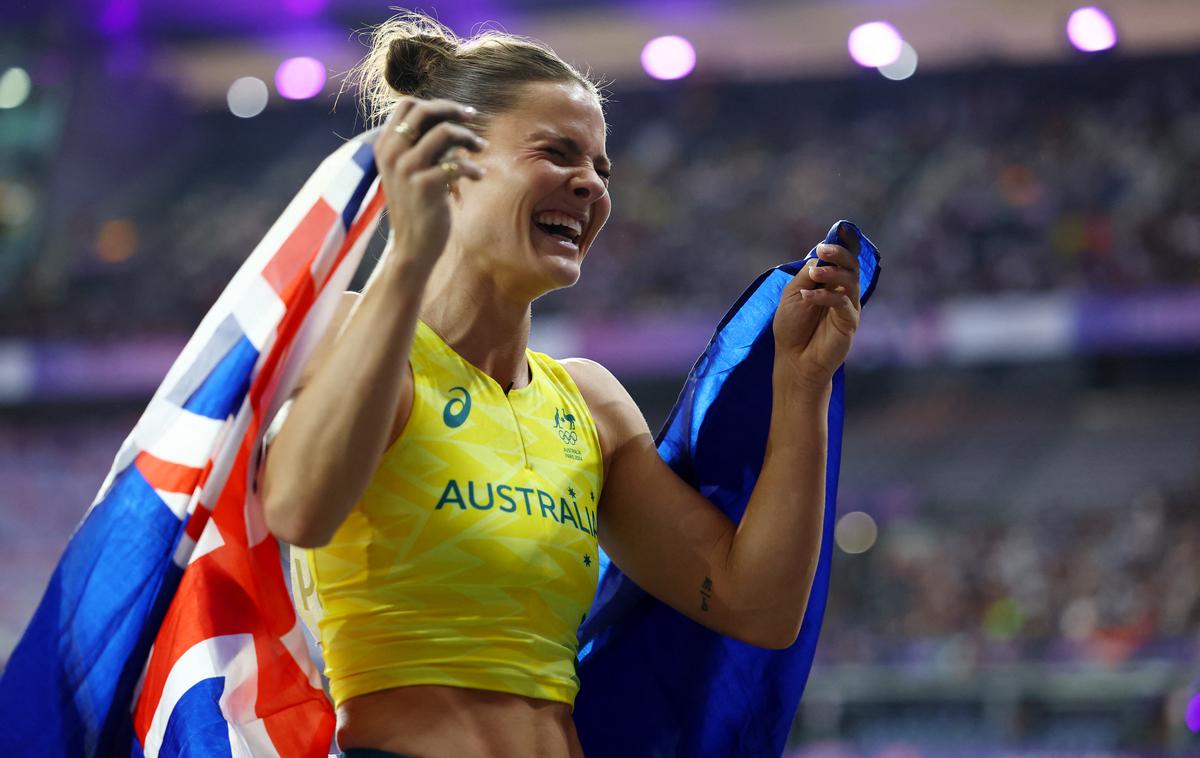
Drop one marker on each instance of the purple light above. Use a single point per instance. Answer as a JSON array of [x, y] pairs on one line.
[[668, 57], [1193, 714], [875, 44], [305, 8], [1091, 30], [118, 16], [300, 78]]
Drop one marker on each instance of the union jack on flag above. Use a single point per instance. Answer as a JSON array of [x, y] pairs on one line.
[[167, 628]]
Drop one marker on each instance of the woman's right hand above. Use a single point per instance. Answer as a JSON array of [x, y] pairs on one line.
[[417, 161]]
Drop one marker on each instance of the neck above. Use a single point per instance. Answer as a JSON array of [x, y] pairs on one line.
[[482, 323]]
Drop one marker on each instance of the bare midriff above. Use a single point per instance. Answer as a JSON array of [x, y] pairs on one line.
[[432, 721]]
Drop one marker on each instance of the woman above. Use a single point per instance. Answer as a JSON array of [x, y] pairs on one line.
[[451, 485]]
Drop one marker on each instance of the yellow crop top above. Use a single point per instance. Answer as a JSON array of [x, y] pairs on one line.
[[471, 559]]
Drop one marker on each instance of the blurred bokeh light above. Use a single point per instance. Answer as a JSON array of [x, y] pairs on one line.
[[300, 78], [669, 57], [14, 87], [116, 241], [874, 44], [247, 97], [856, 532], [904, 66], [1091, 30]]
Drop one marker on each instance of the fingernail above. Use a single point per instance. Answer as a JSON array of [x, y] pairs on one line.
[[470, 111]]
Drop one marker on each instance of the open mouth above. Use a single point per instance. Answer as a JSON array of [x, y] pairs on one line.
[[561, 232], [565, 233]]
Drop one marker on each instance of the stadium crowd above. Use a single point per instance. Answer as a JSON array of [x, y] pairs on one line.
[[976, 182], [952, 589]]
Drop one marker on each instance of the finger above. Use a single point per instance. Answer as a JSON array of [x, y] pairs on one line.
[[429, 113], [410, 119], [838, 256], [400, 110], [450, 169], [389, 145], [836, 279], [441, 140], [803, 279], [398, 116], [825, 298], [846, 314]]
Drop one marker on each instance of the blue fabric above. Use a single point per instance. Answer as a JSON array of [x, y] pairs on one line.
[[70, 680], [196, 726], [365, 158], [655, 683], [225, 388]]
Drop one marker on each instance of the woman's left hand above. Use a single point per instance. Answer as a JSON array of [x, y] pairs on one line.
[[814, 327]]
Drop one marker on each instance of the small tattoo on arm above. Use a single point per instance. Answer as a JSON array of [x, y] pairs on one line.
[[705, 593]]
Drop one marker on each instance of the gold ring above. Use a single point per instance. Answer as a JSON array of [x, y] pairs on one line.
[[450, 167], [404, 130]]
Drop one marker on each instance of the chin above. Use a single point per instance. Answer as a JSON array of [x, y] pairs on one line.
[[561, 272]]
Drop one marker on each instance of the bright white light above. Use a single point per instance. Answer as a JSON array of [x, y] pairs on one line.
[[14, 87], [247, 97], [1091, 30], [904, 67], [668, 57], [875, 44], [855, 532]]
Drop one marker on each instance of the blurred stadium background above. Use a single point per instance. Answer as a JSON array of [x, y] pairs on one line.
[[1019, 537]]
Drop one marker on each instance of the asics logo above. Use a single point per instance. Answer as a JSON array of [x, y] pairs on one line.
[[457, 410]]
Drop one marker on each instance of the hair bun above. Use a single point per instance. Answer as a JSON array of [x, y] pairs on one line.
[[410, 59]]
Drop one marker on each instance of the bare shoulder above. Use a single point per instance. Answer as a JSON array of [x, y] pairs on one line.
[[617, 416], [591, 377], [603, 392]]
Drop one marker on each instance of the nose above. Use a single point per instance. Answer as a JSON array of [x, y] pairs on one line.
[[587, 185]]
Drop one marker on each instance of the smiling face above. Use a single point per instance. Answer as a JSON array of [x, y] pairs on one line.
[[532, 218]]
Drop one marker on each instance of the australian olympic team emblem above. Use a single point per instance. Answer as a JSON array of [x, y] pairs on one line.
[[564, 422]]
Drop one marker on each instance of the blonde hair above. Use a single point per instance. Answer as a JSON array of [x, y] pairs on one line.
[[413, 54]]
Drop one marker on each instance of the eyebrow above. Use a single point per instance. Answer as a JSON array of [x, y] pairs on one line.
[[601, 160]]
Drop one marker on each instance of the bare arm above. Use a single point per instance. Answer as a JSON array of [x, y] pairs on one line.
[[752, 580], [358, 385], [749, 581]]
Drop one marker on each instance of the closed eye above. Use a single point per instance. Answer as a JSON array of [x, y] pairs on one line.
[[605, 175]]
